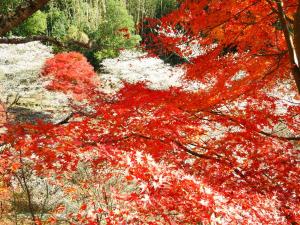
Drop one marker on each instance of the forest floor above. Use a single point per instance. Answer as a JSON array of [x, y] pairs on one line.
[[23, 90]]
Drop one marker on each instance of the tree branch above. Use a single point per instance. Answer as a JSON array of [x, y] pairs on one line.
[[232, 119], [45, 39], [23, 12], [66, 120]]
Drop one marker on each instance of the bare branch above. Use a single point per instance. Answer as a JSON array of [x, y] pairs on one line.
[[46, 39]]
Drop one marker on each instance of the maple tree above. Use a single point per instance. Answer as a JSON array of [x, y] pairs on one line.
[[225, 153]]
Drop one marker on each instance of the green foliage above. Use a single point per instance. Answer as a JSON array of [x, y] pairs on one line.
[[164, 7], [99, 21], [34, 25], [57, 22], [116, 32], [109, 25], [7, 6], [74, 33], [65, 16], [141, 9], [105, 53]]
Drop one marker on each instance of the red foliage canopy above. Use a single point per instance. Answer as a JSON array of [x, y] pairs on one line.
[[222, 154]]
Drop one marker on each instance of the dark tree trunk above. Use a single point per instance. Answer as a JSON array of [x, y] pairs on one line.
[[293, 43], [24, 11], [296, 70]]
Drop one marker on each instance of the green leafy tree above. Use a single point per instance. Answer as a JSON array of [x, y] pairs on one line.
[[116, 32], [164, 7], [97, 28], [34, 25], [7, 6], [106, 25], [57, 22], [141, 9]]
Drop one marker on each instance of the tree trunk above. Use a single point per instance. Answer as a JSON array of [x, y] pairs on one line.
[[296, 70], [24, 11], [291, 41]]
